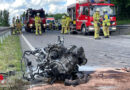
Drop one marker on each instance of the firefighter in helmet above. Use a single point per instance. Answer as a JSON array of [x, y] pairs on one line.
[[50, 25], [13, 25], [68, 21], [106, 24], [63, 22], [38, 24], [18, 25], [96, 19]]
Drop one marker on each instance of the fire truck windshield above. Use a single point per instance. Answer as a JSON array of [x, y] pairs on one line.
[[109, 9], [34, 13]]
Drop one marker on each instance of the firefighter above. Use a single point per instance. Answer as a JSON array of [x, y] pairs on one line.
[[50, 25], [106, 24], [63, 22], [56, 25], [18, 25], [68, 20], [38, 24], [13, 25], [96, 19]]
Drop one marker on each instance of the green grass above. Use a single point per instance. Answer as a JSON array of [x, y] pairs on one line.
[[122, 22], [10, 54]]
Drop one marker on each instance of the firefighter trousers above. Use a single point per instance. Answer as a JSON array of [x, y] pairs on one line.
[[14, 31], [68, 29], [64, 30], [97, 32], [106, 31], [38, 29], [19, 31]]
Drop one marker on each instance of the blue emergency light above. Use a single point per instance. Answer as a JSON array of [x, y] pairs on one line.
[[109, 1], [93, 1]]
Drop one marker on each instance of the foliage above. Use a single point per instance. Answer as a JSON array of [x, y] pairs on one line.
[[56, 16], [123, 8], [4, 18], [10, 54]]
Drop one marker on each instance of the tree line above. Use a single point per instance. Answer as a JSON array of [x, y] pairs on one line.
[[4, 18], [122, 8], [56, 16]]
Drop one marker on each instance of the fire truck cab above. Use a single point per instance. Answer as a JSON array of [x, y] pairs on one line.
[[29, 20], [82, 15]]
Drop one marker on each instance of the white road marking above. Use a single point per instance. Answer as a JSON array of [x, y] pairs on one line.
[[28, 43], [85, 37]]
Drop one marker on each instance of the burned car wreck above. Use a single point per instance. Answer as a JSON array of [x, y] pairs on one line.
[[55, 63]]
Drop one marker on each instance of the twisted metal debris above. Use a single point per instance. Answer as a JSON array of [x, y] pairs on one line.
[[55, 63]]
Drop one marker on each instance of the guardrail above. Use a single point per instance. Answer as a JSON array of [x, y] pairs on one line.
[[4, 33], [122, 30], [123, 26]]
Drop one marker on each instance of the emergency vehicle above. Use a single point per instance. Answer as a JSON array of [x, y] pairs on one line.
[[29, 20], [50, 20], [82, 14]]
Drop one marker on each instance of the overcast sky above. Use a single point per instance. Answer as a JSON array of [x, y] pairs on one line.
[[17, 7]]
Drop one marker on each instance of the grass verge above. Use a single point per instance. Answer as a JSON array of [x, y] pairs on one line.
[[10, 54], [122, 22]]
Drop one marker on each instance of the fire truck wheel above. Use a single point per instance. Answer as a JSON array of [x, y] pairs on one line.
[[84, 30]]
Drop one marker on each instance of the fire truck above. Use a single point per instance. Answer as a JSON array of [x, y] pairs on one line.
[[29, 20], [48, 21], [82, 15]]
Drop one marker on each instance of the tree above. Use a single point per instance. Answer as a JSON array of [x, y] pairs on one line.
[[56, 16], [4, 18], [123, 7]]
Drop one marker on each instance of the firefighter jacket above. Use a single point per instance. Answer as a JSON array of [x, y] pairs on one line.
[[96, 19], [106, 20], [68, 20], [63, 22], [17, 21], [37, 20], [13, 23]]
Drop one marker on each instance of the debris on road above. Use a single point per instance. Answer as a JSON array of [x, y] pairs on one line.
[[126, 69], [103, 79], [56, 63]]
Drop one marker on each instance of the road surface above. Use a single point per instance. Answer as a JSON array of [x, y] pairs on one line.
[[113, 52]]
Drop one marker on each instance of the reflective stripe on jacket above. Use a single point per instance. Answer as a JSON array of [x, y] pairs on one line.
[[96, 19], [106, 20], [37, 20], [68, 20]]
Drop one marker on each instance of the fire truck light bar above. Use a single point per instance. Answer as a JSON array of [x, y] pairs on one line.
[[93, 1], [97, 1]]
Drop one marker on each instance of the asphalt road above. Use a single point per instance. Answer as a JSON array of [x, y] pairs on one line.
[[113, 52]]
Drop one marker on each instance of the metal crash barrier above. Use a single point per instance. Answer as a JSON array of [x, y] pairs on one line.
[[4, 33]]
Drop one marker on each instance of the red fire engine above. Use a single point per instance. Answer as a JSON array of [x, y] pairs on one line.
[[29, 19], [82, 14]]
